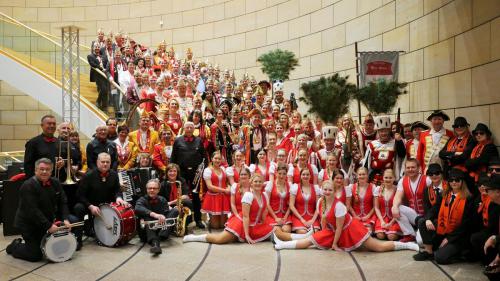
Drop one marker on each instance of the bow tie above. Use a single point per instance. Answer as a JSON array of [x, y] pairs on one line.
[[188, 139], [49, 139], [104, 175], [46, 183]]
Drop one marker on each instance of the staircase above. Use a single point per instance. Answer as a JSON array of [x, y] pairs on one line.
[[35, 59]]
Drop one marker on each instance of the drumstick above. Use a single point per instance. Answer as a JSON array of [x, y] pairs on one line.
[[104, 221], [71, 225]]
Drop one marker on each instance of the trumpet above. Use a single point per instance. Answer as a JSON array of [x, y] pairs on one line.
[[156, 224]]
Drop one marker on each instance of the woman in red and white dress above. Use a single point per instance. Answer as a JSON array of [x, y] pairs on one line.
[[303, 198], [252, 225], [294, 169], [282, 141], [262, 167], [238, 189], [339, 230], [174, 119], [233, 172], [278, 192], [216, 202], [362, 199], [332, 166], [386, 226]]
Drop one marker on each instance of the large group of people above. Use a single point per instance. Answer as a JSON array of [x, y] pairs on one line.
[[243, 155]]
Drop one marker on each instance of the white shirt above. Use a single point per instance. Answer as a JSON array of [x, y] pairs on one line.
[[413, 184]]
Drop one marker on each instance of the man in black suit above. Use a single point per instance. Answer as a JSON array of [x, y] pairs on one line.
[[44, 145], [188, 152], [96, 60], [41, 202]]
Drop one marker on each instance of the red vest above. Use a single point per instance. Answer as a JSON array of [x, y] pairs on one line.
[[415, 199], [277, 203], [296, 174], [384, 206], [362, 206], [304, 206]]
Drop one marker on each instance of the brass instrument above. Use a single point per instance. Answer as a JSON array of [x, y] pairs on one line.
[[68, 180], [153, 225], [184, 213]]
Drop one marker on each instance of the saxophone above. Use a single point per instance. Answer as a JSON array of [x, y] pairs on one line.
[[184, 213]]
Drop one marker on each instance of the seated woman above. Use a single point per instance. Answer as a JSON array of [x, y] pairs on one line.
[[451, 233], [252, 225], [278, 193], [262, 166], [171, 185], [362, 199], [339, 230], [216, 202], [238, 190], [303, 199], [386, 226]]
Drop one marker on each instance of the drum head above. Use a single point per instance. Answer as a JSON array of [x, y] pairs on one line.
[[108, 232], [59, 247]]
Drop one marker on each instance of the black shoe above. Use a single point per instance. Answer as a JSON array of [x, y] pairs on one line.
[[423, 256], [155, 248], [12, 245], [200, 225]]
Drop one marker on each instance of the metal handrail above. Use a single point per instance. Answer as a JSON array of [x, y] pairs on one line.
[[59, 45]]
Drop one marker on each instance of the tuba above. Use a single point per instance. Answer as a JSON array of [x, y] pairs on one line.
[[184, 213]]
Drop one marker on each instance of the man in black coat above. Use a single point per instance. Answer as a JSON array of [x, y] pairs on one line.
[[42, 201], [44, 145], [152, 207], [188, 152], [101, 144], [99, 62]]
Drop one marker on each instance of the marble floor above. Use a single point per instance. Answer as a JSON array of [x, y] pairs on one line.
[[199, 261]]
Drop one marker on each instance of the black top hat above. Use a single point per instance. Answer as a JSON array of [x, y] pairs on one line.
[[494, 182], [434, 168], [480, 127], [460, 122], [419, 124], [455, 173], [438, 113]]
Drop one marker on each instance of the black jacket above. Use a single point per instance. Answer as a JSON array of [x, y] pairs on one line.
[[92, 190], [145, 205], [40, 205], [37, 148], [95, 147], [94, 63], [431, 211], [188, 155]]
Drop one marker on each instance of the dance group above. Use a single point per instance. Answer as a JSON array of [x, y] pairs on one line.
[[243, 155]]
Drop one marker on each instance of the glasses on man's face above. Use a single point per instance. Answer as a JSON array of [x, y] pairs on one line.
[[496, 170], [454, 180], [434, 174], [479, 133]]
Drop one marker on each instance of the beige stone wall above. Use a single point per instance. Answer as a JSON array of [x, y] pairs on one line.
[[452, 48], [20, 117]]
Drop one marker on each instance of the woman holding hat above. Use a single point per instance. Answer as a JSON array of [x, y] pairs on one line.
[[459, 147], [481, 154], [446, 242]]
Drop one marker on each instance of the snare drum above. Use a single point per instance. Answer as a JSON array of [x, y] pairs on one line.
[[59, 246], [116, 226]]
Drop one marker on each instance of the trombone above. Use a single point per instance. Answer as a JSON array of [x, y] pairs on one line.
[[68, 180]]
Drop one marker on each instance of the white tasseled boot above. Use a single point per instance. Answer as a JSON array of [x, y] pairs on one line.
[[285, 244], [301, 236], [195, 238], [406, 246]]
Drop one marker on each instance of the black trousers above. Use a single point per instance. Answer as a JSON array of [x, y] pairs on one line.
[[30, 250], [161, 234], [477, 241], [447, 254], [188, 175], [80, 211], [103, 92]]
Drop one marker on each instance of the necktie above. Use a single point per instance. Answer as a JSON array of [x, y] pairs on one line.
[[452, 200]]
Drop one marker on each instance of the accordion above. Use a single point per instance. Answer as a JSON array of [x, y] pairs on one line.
[[134, 182]]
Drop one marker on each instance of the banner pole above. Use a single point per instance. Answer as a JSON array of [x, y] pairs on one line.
[[357, 79]]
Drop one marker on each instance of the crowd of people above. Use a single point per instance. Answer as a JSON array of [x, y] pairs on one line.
[[242, 154]]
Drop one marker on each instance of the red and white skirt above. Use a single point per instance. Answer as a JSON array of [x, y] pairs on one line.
[[393, 229], [258, 232], [281, 215], [216, 204], [352, 237], [297, 224]]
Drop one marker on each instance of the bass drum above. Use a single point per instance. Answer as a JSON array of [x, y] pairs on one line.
[[116, 225], [59, 246]]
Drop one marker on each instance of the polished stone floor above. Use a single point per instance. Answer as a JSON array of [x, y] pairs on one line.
[[199, 261]]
